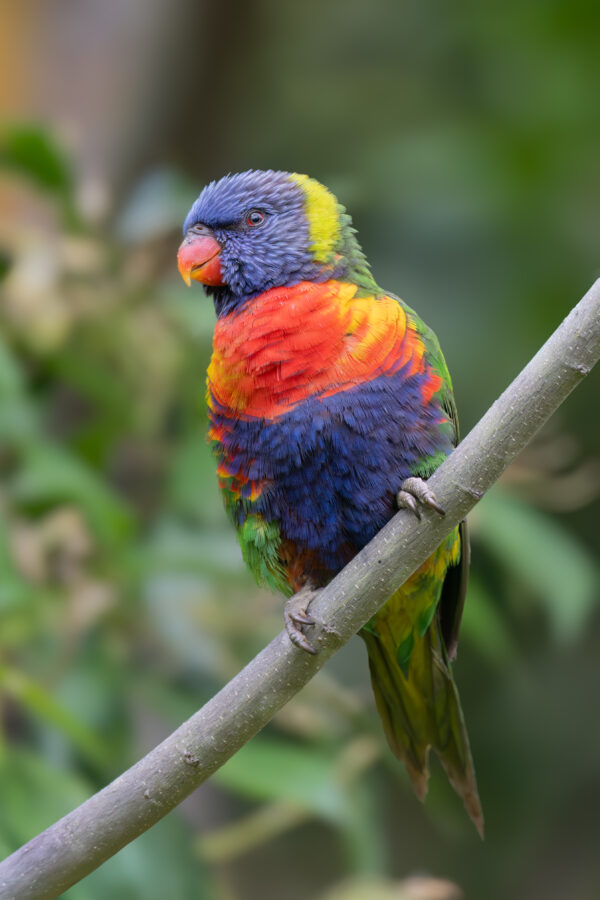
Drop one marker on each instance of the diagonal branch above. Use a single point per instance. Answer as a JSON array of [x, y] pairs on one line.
[[86, 837]]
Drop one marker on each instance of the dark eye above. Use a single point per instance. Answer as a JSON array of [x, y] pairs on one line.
[[255, 217]]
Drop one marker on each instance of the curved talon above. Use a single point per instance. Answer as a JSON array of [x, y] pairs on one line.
[[407, 501], [300, 641], [292, 626], [414, 493], [300, 619], [295, 616]]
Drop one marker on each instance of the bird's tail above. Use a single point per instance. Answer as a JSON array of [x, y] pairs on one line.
[[420, 709]]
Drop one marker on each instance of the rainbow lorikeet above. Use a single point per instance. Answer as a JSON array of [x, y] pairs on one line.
[[330, 403]]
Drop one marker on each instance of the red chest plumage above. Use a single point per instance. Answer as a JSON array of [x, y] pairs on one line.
[[307, 340]]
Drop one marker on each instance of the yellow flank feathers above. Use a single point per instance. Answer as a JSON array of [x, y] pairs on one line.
[[323, 211]]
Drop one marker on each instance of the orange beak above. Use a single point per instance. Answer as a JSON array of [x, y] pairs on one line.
[[199, 259]]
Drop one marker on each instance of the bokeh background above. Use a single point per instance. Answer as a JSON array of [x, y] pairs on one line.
[[465, 140]]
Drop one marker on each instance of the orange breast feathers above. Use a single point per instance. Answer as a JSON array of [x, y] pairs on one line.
[[308, 340]]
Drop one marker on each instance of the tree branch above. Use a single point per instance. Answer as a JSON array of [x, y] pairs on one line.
[[86, 837]]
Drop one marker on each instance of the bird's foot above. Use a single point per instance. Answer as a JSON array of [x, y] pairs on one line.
[[295, 615], [414, 493]]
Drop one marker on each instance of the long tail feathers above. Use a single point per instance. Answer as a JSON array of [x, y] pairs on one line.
[[421, 710]]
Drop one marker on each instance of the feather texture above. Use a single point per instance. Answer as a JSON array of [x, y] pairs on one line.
[[324, 394]]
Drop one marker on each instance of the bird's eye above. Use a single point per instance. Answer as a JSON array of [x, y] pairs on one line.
[[255, 217]]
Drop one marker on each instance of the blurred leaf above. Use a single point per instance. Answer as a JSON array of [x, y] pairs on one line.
[[544, 556], [11, 381], [177, 604], [266, 769], [52, 475], [18, 422], [483, 624], [32, 151], [295, 778], [192, 482], [17, 416], [179, 549], [33, 794], [160, 863], [269, 821], [193, 312], [40, 702], [5, 264], [14, 590]]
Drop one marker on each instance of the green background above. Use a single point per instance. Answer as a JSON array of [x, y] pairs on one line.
[[464, 139]]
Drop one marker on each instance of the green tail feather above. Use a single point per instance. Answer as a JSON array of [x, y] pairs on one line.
[[421, 710]]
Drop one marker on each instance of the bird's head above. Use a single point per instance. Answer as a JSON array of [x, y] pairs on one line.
[[257, 230]]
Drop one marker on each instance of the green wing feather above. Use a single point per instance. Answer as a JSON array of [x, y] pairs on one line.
[[413, 638], [407, 643]]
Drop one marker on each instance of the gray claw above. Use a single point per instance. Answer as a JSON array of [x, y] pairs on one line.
[[414, 493], [407, 501], [295, 616], [299, 619], [298, 640]]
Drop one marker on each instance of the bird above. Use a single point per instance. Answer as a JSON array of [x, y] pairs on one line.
[[330, 404]]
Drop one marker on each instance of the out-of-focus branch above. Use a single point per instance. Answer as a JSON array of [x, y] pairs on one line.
[[86, 837]]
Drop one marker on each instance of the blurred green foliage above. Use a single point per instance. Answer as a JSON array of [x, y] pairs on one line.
[[30, 151], [469, 164]]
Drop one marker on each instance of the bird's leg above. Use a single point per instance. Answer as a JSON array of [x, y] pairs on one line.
[[414, 493], [295, 615]]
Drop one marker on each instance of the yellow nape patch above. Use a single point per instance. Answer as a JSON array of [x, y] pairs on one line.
[[323, 213]]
